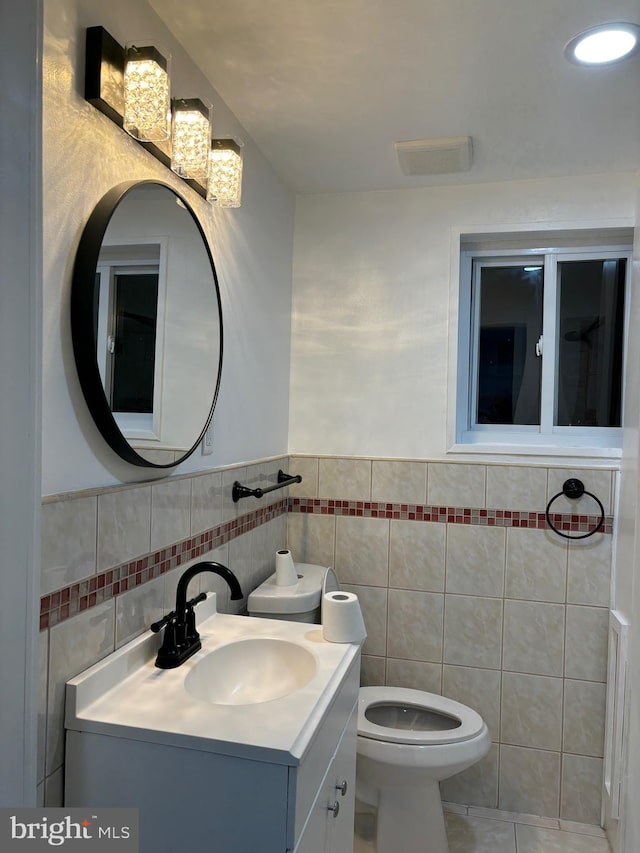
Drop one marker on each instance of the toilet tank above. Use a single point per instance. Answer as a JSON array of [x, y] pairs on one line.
[[300, 602]]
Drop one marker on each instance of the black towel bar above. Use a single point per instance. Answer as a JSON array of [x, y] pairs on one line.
[[284, 480]]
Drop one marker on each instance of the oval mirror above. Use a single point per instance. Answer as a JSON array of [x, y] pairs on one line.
[[146, 324]]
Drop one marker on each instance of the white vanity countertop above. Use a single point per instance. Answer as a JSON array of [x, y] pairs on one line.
[[126, 696]]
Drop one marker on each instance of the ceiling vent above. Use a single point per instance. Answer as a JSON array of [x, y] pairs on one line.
[[441, 156]]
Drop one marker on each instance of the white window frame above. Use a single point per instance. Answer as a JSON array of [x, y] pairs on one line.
[[143, 427], [524, 439]]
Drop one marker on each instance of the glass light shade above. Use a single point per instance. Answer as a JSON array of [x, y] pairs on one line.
[[147, 114], [604, 44], [224, 183], [191, 134]]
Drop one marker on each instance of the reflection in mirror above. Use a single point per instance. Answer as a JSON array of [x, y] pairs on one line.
[[130, 338], [146, 324]]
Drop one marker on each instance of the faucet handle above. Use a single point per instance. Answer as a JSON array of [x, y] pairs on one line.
[[159, 625], [191, 604], [169, 650]]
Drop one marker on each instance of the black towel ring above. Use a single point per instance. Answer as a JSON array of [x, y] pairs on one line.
[[574, 489]]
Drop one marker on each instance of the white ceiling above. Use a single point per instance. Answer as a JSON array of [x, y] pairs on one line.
[[325, 87]]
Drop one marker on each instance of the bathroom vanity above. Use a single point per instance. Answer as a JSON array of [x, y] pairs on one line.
[[248, 746]]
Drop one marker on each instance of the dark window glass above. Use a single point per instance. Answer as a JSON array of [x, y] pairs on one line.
[[136, 309], [509, 371], [590, 342]]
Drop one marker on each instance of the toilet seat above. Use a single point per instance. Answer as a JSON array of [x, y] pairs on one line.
[[459, 723]]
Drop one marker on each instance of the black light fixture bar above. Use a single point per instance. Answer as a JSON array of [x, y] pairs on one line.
[[104, 88]]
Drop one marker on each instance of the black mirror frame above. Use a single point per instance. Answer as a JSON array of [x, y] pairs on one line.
[[83, 313]]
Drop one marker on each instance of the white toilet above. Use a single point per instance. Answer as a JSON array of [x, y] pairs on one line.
[[408, 740]]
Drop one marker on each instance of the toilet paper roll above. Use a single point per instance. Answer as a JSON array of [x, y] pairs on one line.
[[342, 620], [285, 569]]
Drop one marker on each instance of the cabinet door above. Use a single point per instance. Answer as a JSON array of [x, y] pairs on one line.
[[342, 774], [329, 828], [315, 837]]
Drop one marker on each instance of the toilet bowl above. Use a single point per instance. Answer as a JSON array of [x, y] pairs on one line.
[[408, 741]]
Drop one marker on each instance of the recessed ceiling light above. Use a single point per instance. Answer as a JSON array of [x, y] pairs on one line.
[[604, 44]]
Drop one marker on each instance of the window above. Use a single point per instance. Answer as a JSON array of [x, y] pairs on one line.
[[133, 336], [130, 285], [541, 346]]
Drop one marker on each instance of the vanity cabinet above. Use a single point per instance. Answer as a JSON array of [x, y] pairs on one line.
[[210, 800]]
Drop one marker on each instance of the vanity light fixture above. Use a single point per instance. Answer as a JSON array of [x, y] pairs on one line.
[[224, 181], [147, 113], [117, 77], [604, 44], [191, 132]]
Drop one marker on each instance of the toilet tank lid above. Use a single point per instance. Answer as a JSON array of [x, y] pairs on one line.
[[298, 598]]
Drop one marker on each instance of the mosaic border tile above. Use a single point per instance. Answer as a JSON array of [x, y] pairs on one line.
[[450, 514], [64, 603]]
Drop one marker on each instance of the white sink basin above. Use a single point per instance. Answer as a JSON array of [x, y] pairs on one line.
[[256, 689], [247, 672]]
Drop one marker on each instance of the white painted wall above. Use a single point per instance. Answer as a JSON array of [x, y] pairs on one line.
[[371, 306], [85, 154], [20, 333]]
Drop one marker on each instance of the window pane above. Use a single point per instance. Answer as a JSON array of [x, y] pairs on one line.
[[590, 342], [508, 369], [134, 357]]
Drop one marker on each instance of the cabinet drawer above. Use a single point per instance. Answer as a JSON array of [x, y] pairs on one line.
[[306, 779]]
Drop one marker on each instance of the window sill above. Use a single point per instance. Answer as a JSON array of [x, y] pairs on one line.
[[540, 453]]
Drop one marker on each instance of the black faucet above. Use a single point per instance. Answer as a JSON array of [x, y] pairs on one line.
[[181, 640]]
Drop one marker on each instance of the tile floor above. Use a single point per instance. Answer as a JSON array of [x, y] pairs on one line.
[[476, 830]]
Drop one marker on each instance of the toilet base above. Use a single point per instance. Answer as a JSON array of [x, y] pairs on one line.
[[411, 820]]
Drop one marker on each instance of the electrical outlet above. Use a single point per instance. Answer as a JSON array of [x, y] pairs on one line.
[[207, 441]]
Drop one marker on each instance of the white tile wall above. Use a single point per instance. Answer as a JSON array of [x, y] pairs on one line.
[[399, 482], [531, 713], [206, 502], [68, 542], [73, 646], [475, 560], [415, 625], [473, 631], [521, 487], [139, 606], [536, 565], [362, 550], [534, 637], [479, 689], [170, 512], [509, 620], [456, 484], [417, 555], [124, 526], [587, 636], [346, 479], [529, 776]]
